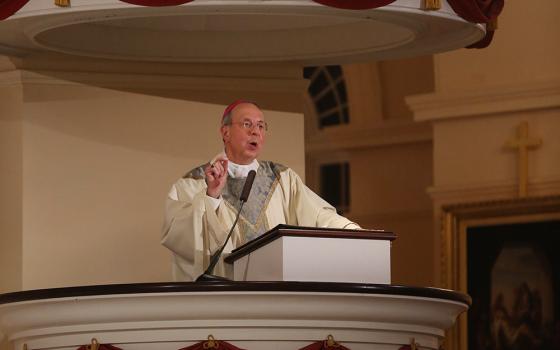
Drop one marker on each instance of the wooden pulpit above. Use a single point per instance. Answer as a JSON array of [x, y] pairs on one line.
[[309, 254]]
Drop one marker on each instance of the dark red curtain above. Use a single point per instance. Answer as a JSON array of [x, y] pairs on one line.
[[9, 7], [157, 2], [324, 345], [101, 347], [405, 347], [212, 345], [484, 42], [355, 4], [479, 11]]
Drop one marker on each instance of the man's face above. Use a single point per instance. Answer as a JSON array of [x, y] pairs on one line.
[[243, 144]]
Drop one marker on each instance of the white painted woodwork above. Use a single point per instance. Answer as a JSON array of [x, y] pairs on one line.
[[299, 31], [317, 259], [251, 320]]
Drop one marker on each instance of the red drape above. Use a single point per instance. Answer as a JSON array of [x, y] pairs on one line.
[[157, 2], [101, 347], [9, 7], [324, 345], [479, 11], [212, 345], [484, 42], [355, 4]]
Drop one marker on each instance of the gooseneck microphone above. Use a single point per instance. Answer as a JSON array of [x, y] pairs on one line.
[[207, 276]]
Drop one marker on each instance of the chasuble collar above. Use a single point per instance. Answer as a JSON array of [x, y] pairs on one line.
[[240, 170]]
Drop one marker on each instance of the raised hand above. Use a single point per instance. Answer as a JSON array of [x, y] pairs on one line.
[[216, 176]]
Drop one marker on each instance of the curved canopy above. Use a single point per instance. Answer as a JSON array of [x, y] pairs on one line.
[[303, 31]]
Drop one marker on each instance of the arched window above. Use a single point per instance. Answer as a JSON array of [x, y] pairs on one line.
[[327, 90]]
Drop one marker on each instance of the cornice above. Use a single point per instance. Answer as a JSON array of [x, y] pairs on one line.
[[151, 81], [460, 104], [352, 139], [397, 215], [10, 51], [10, 78], [491, 190]]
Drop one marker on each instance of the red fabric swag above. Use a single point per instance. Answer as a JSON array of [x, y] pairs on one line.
[[101, 347], [9, 7], [478, 11], [157, 2], [323, 345], [355, 4], [484, 42], [212, 344]]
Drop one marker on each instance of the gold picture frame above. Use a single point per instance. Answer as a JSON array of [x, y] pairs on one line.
[[456, 219]]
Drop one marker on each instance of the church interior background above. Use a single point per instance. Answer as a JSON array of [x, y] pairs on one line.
[[426, 147]]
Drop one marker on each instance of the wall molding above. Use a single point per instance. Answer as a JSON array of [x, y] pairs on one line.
[[382, 136], [491, 191], [10, 78], [150, 81], [458, 104], [8, 50], [400, 215]]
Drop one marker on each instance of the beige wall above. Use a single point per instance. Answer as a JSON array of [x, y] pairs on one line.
[[390, 159], [481, 97], [97, 162], [401, 78], [10, 188], [470, 151], [389, 192], [525, 48]]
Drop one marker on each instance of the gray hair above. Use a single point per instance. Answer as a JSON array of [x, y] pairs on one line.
[[227, 119]]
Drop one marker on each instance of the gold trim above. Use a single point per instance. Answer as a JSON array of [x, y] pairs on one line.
[[456, 219], [493, 24], [212, 343], [262, 214], [431, 5], [62, 3], [331, 343], [94, 345]]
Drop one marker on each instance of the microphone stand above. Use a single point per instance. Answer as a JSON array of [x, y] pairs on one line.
[[207, 276]]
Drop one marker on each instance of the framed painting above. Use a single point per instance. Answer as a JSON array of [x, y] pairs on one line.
[[506, 256]]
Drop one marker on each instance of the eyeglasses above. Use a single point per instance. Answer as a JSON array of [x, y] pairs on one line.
[[249, 125]]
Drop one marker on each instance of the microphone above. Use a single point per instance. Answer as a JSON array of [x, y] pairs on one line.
[[247, 188], [207, 276]]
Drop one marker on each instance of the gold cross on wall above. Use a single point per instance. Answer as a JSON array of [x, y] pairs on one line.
[[522, 143]]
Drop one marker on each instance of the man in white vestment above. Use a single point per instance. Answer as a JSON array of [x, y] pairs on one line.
[[202, 206]]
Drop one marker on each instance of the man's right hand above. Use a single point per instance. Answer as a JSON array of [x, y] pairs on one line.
[[216, 177]]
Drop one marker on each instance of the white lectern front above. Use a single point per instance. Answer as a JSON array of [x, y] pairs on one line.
[[294, 253]]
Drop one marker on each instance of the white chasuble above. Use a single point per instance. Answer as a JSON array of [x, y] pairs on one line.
[[194, 228]]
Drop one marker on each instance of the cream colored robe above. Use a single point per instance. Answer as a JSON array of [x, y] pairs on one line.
[[193, 230]]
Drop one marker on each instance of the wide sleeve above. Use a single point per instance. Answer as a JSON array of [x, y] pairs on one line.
[[192, 230], [308, 208]]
